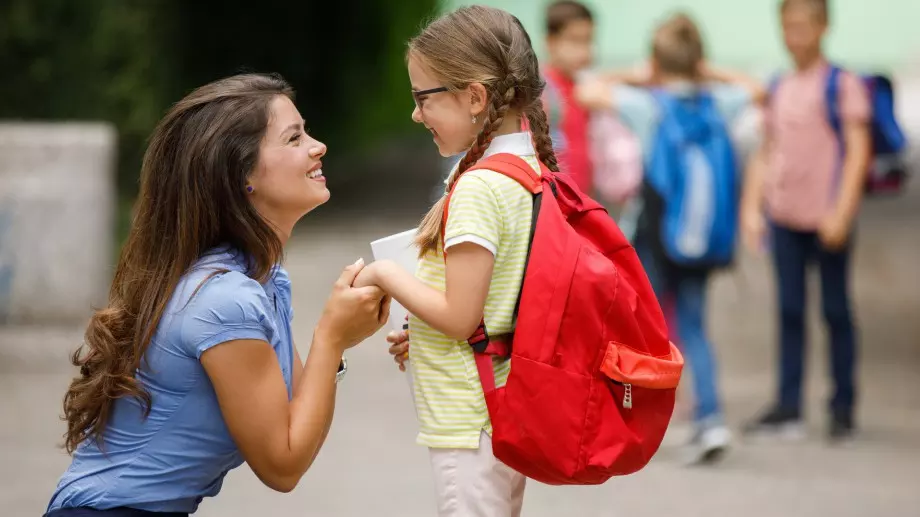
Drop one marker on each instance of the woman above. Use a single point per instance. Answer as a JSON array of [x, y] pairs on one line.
[[191, 368]]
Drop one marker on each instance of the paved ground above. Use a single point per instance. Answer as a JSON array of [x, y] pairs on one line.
[[370, 465]]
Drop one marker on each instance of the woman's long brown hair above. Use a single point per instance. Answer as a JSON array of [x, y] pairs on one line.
[[489, 46], [192, 199]]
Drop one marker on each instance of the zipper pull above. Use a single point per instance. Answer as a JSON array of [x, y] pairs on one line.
[[627, 396]]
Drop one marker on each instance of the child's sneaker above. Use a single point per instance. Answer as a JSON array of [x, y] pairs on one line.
[[842, 429], [777, 423], [708, 445]]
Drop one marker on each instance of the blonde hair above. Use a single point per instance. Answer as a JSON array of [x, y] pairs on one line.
[[489, 46], [678, 46]]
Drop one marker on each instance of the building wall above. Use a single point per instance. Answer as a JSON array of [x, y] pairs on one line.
[[877, 35]]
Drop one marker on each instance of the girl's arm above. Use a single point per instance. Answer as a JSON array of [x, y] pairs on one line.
[[455, 313]]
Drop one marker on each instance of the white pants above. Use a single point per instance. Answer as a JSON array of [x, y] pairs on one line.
[[473, 483]]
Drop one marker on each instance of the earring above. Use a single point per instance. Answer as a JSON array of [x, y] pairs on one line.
[[249, 189], [474, 119]]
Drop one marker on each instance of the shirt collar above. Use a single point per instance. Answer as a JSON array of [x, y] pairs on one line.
[[520, 144]]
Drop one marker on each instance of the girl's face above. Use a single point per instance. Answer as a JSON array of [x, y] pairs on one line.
[[453, 118], [288, 180]]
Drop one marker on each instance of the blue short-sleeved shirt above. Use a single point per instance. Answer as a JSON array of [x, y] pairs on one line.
[[181, 452]]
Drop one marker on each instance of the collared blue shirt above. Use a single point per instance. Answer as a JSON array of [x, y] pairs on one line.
[[180, 453]]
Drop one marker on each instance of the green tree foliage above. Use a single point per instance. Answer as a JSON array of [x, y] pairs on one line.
[[126, 61]]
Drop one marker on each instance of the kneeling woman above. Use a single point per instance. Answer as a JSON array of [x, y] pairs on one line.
[[191, 368]]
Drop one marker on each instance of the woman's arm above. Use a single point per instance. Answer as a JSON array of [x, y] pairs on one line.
[[280, 438], [297, 369], [455, 313]]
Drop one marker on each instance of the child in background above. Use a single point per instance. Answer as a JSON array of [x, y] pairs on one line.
[[596, 149], [678, 73], [570, 49], [810, 190]]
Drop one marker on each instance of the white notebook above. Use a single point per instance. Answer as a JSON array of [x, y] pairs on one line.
[[401, 249]]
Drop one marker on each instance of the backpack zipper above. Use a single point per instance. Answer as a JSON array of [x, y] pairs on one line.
[[627, 396]]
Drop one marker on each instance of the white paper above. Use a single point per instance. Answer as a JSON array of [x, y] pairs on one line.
[[401, 249]]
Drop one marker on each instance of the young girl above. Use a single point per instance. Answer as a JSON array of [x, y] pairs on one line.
[[475, 79]]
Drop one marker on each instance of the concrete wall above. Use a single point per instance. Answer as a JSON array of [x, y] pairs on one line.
[[57, 203]]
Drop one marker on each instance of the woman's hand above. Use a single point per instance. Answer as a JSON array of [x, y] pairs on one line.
[[399, 347], [352, 314]]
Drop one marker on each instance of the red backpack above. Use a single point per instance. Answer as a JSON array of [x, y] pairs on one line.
[[593, 376]]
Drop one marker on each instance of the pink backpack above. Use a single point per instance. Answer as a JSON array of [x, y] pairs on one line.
[[617, 158]]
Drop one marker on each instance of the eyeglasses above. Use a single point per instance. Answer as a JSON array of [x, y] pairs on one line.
[[419, 96]]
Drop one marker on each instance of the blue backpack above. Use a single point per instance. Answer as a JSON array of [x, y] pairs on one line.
[[888, 170], [690, 191]]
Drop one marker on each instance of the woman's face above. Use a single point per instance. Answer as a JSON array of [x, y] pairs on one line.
[[288, 181]]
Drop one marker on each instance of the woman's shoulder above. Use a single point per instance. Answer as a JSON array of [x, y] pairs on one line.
[[218, 279], [221, 288], [216, 301]]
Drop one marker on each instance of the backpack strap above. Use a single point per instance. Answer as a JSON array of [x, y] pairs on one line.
[[773, 87], [515, 168], [832, 99], [484, 345], [508, 164]]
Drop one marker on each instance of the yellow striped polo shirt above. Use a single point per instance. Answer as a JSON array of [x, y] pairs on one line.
[[495, 212]]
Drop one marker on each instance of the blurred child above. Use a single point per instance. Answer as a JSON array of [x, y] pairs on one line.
[[681, 119], [569, 44], [593, 146], [809, 187]]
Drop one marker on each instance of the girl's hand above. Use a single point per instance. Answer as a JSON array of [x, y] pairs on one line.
[[352, 313], [368, 276], [399, 347]]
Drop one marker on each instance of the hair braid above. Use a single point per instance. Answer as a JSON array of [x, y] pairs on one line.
[[429, 234], [539, 128]]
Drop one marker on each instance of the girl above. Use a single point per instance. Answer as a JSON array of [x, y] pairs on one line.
[[475, 80], [191, 368]]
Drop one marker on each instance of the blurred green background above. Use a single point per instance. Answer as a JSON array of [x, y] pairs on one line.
[[126, 61], [877, 35]]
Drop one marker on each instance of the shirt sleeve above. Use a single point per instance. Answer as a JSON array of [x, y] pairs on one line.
[[474, 214], [226, 307], [731, 101], [854, 99], [638, 111]]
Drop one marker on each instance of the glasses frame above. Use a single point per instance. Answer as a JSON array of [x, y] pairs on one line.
[[422, 93]]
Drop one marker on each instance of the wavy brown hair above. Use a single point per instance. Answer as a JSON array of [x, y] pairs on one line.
[[192, 199], [488, 46]]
